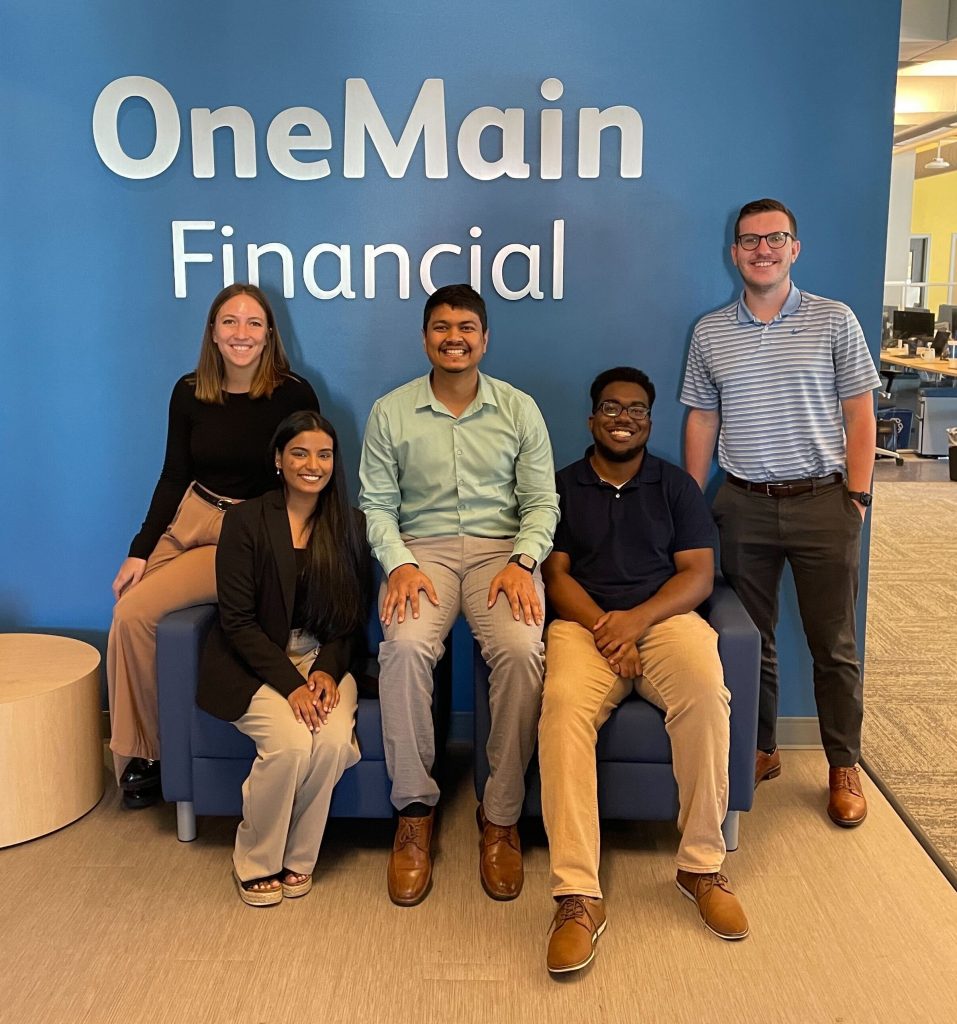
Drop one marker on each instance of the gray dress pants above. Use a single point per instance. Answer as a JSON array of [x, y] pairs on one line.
[[819, 535]]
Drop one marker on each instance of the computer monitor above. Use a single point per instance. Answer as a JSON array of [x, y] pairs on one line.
[[945, 315], [913, 323]]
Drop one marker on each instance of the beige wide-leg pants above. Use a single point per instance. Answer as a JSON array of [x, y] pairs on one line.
[[287, 794], [180, 572], [681, 675]]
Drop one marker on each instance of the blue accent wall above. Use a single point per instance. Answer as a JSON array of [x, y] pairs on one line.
[[737, 101]]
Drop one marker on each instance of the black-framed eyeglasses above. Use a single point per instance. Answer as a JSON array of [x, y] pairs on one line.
[[776, 240], [611, 409]]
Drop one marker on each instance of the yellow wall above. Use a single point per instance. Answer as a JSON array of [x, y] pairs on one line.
[[935, 214]]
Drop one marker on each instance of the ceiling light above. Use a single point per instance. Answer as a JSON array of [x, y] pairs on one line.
[[938, 163], [930, 69]]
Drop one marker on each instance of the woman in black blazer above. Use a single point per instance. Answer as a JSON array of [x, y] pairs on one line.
[[292, 573]]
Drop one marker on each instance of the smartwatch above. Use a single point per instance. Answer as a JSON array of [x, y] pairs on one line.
[[525, 561], [861, 497]]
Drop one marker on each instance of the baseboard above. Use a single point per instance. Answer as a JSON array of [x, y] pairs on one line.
[[799, 733]]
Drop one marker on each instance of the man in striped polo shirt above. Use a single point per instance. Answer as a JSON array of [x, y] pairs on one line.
[[782, 379]]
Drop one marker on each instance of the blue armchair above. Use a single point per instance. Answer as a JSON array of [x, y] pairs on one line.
[[635, 780], [205, 761]]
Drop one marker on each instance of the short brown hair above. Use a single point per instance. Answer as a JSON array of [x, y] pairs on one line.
[[210, 373], [765, 206]]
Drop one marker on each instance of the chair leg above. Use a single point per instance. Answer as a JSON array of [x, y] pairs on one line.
[[185, 821], [729, 829]]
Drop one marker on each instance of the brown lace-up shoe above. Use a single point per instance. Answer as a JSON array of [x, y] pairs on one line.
[[846, 806], [717, 904], [410, 863], [500, 858], [766, 766], [578, 922]]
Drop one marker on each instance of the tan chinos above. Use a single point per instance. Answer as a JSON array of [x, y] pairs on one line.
[[180, 572], [681, 675]]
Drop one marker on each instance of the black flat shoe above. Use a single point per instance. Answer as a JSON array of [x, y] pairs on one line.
[[134, 799], [140, 774]]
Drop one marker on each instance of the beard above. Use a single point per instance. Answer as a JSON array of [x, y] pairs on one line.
[[618, 454]]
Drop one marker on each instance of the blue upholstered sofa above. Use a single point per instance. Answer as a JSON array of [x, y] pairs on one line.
[[635, 781], [205, 761]]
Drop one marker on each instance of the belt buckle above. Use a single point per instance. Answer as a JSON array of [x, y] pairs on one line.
[[222, 504], [767, 489]]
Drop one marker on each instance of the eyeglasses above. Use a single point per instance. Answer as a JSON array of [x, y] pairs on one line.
[[776, 240], [612, 409]]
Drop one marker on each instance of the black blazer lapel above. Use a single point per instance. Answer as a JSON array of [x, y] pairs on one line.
[[280, 539]]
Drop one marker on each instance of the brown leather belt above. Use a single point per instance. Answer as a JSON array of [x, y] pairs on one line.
[[213, 499], [787, 488]]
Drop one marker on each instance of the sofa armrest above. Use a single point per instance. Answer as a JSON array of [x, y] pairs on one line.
[[739, 647], [179, 640]]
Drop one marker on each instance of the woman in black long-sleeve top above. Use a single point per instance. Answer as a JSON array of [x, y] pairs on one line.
[[292, 571], [221, 418]]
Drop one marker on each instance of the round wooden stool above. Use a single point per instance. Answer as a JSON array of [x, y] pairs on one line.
[[51, 753]]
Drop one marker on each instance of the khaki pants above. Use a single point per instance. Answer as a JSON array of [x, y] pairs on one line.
[[681, 675], [287, 794], [180, 572], [461, 570]]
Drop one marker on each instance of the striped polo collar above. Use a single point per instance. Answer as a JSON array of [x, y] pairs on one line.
[[791, 305]]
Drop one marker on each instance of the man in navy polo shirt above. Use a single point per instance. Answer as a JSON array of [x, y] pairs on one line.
[[633, 557]]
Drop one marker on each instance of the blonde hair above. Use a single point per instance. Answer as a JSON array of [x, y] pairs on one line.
[[210, 375]]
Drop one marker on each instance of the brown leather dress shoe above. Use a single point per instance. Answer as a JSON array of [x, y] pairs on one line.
[[717, 904], [577, 924], [500, 858], [846, 806], [766, 766], [410, 863]]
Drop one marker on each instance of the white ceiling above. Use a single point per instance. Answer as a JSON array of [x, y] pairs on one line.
[[926, 106]]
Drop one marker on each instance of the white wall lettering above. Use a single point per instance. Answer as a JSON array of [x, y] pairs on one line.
[[204, 122], [401, 254], [592, 122], [281, 143], [511, 124], [344, 287], [106, 136], [364, 123], [427, 120]]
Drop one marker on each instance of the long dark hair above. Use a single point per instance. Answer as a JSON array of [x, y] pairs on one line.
[[338, 567]]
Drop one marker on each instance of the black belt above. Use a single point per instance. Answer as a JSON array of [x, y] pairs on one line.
[[213, 499], [787, 488]]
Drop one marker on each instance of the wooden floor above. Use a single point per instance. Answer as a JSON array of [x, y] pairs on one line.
[[113, 920]]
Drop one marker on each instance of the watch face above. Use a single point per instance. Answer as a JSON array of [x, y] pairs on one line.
[[525, 561]]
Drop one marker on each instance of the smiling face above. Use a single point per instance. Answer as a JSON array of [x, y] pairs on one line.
[[454, 339], [764, 269], [306, 462], [620, 438], [239, 332]]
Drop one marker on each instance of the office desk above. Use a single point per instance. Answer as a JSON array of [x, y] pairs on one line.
[[940, 366]]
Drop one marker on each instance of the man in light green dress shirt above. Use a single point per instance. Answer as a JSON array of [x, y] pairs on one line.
[[458, 490]]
